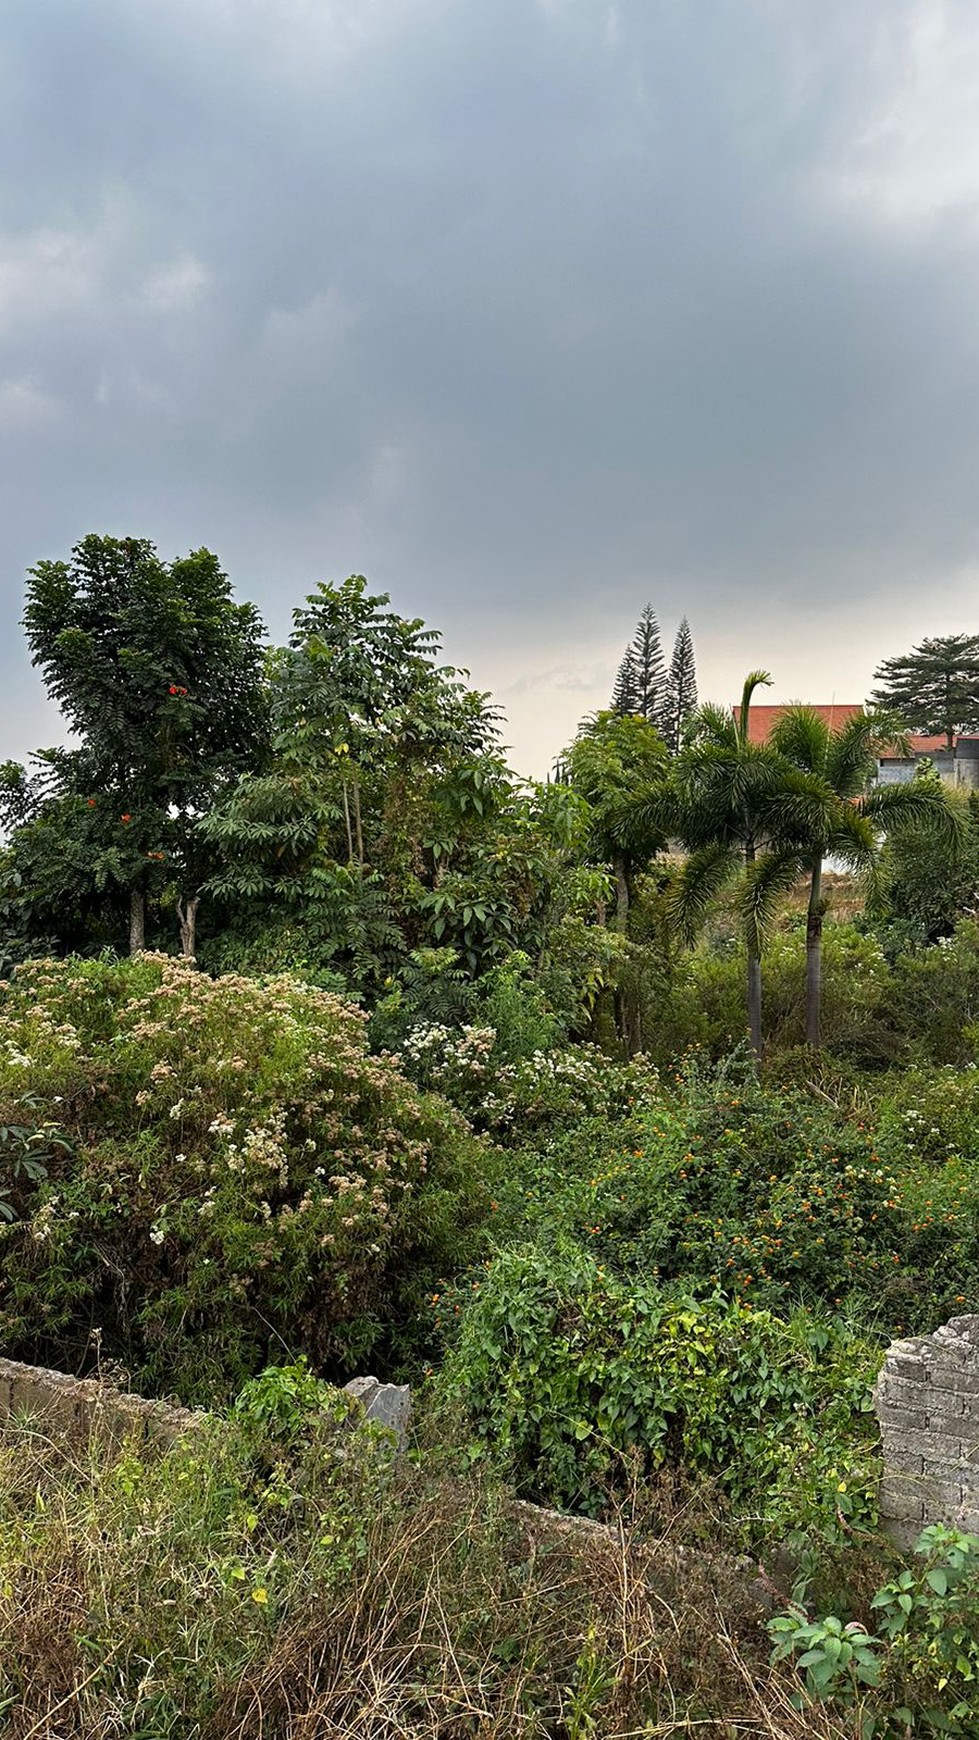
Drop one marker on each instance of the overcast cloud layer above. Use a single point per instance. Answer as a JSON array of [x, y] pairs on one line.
[[531, 310]]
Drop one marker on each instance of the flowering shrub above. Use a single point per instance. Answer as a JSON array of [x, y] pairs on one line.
[[558, 1085], [244, 1177], [716, 1179]]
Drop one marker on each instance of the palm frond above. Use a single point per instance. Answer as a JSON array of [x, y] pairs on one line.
[[893, 807], [798, 808], [853, 837], [853, 750], [712, 724], [773, 874], [754, 680], [804, 738], [704, 875], [658, 811]]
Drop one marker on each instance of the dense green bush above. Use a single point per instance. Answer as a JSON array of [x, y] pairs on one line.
[[715, 1179], [243, 1178], [697, 999], [577, 1381]]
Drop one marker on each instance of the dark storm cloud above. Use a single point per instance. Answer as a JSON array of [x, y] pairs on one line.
[[528, 310]]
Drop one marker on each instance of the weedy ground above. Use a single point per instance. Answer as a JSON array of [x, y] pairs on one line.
[[233, 1589]]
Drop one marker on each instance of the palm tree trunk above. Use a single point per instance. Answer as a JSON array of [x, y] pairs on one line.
[[754, 978], [754, 1005], [814, 952], [137, 921]]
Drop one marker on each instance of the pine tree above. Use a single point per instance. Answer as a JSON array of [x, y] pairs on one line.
[[681, 687], [625, 695], [640, 685], [650, 667], [934, 688]]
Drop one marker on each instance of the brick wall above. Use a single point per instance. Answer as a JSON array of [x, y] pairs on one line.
[[927, 1401]]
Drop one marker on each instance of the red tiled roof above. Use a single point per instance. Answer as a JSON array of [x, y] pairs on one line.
[[762, 719], [931, 745], [928, 745]]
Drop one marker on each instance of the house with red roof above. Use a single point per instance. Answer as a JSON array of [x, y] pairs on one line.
[[958, 765], [761, 719]]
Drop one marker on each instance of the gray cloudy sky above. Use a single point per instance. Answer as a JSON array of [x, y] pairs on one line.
[[531, 310]]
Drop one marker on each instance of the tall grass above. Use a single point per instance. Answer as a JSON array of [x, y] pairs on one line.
[[235, 1590]]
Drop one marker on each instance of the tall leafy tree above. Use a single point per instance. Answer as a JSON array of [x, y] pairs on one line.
[[681, 688], [159, 674], [617, 763], [934, 688], [826, 808], [386, 820]]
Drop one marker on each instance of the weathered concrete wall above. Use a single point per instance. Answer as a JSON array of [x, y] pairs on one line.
[[927, 1401], [83, 1406]]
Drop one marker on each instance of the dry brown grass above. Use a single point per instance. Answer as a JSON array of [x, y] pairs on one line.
[[456, 1614], [467, 1623]]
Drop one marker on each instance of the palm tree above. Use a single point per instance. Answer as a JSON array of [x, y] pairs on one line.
[[825, 809], [724, 806]]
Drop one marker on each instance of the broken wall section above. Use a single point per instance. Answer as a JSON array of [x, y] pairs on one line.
[[927, 1402]]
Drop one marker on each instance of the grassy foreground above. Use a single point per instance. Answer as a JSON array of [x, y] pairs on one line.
[[247, 1585]]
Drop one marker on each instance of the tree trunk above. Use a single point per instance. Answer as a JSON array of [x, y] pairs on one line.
[[754, 1005], [346, 817], [357, 824], [187, 916], [137, 921], [814, 949], [754, 978], [621, 893]]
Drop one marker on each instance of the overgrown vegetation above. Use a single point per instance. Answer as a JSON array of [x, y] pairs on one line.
[[448, 1075]]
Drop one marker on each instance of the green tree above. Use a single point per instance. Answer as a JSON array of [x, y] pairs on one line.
[[827, 809], [681, 688], [934, 688], [159, 674], [386, 822], [723, 804], [923, 887], [625, 694], [640, 686], [615, 763]]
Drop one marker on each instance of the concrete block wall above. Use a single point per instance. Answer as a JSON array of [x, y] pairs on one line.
[[927, 1402], [85, 1407]]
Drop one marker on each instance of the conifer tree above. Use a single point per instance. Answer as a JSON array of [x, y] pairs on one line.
[[934, 688], [681, 687], [650, 666], [640, 686], [625, 695]]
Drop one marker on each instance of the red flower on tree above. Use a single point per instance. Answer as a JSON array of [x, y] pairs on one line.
[[125, 818]]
